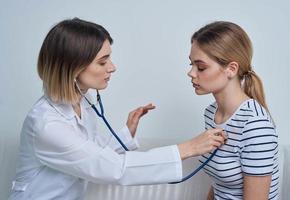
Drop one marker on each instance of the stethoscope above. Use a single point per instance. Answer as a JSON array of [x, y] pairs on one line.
[[101, 114]]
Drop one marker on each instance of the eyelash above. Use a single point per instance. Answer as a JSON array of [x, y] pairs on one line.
[[102, 64], [198, 68]]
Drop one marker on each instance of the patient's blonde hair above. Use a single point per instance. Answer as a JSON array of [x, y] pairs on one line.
[[226, 42]]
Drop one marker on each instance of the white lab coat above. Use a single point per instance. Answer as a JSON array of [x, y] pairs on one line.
[[59, 153]]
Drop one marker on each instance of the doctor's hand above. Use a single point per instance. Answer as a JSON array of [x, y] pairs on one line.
[[135, 115], [203, 143]]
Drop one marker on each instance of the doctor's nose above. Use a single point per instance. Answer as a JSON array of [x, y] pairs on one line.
[[112, 68]]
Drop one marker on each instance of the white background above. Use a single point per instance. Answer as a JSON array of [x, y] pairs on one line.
[[151, 48]]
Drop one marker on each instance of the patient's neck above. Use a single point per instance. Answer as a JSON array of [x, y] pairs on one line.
[[228, 101]]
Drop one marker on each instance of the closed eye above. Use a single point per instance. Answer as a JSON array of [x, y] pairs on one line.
[[200, 69], [103, 63], [103, 60]]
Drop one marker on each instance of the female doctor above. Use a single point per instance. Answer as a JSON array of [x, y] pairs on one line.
[[60, 148]]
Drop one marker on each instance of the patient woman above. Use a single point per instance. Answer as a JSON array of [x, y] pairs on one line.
[[246, 167]]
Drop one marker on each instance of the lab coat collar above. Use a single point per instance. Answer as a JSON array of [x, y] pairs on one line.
[[66, 110]]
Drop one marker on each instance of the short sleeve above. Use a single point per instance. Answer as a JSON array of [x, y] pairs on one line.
[[259, 147]]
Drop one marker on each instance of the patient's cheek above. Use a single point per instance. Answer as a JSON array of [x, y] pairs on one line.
[[214, 80]]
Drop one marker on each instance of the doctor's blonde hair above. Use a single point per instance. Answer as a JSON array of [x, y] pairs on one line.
[[69, 47], [225, 42]]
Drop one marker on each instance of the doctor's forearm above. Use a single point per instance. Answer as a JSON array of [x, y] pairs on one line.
[[187, 150]]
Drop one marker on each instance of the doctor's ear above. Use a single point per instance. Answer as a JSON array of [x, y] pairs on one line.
[[76, 81], [232, 69]]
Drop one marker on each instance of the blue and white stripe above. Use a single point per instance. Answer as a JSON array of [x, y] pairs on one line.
[[251, 149]]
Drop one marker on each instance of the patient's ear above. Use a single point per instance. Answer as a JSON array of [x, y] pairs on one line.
[[232, 69]]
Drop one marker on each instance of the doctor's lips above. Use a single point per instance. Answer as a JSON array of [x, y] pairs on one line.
[[195, 85]]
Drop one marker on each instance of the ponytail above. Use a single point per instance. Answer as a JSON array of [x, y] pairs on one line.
[[253, 87]]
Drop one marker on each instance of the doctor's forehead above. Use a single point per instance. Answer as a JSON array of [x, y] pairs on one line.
[[105, 51]]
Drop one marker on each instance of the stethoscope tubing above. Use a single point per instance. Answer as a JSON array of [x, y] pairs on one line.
[[102, 115], [109, 127], [197, 169]]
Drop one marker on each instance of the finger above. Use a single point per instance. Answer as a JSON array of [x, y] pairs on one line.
[[219, 139], [217, 144], [151, 106], [224, 135], [137, 114], [145, 108], [131, 114], [214, 131], [219, 132], [148, 107], [144, 112], [140, 112]]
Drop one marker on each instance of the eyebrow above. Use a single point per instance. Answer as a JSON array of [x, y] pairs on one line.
[[104, 57], [197, 61]]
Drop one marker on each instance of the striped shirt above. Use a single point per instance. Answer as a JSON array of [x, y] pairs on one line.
[[251, 149]]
